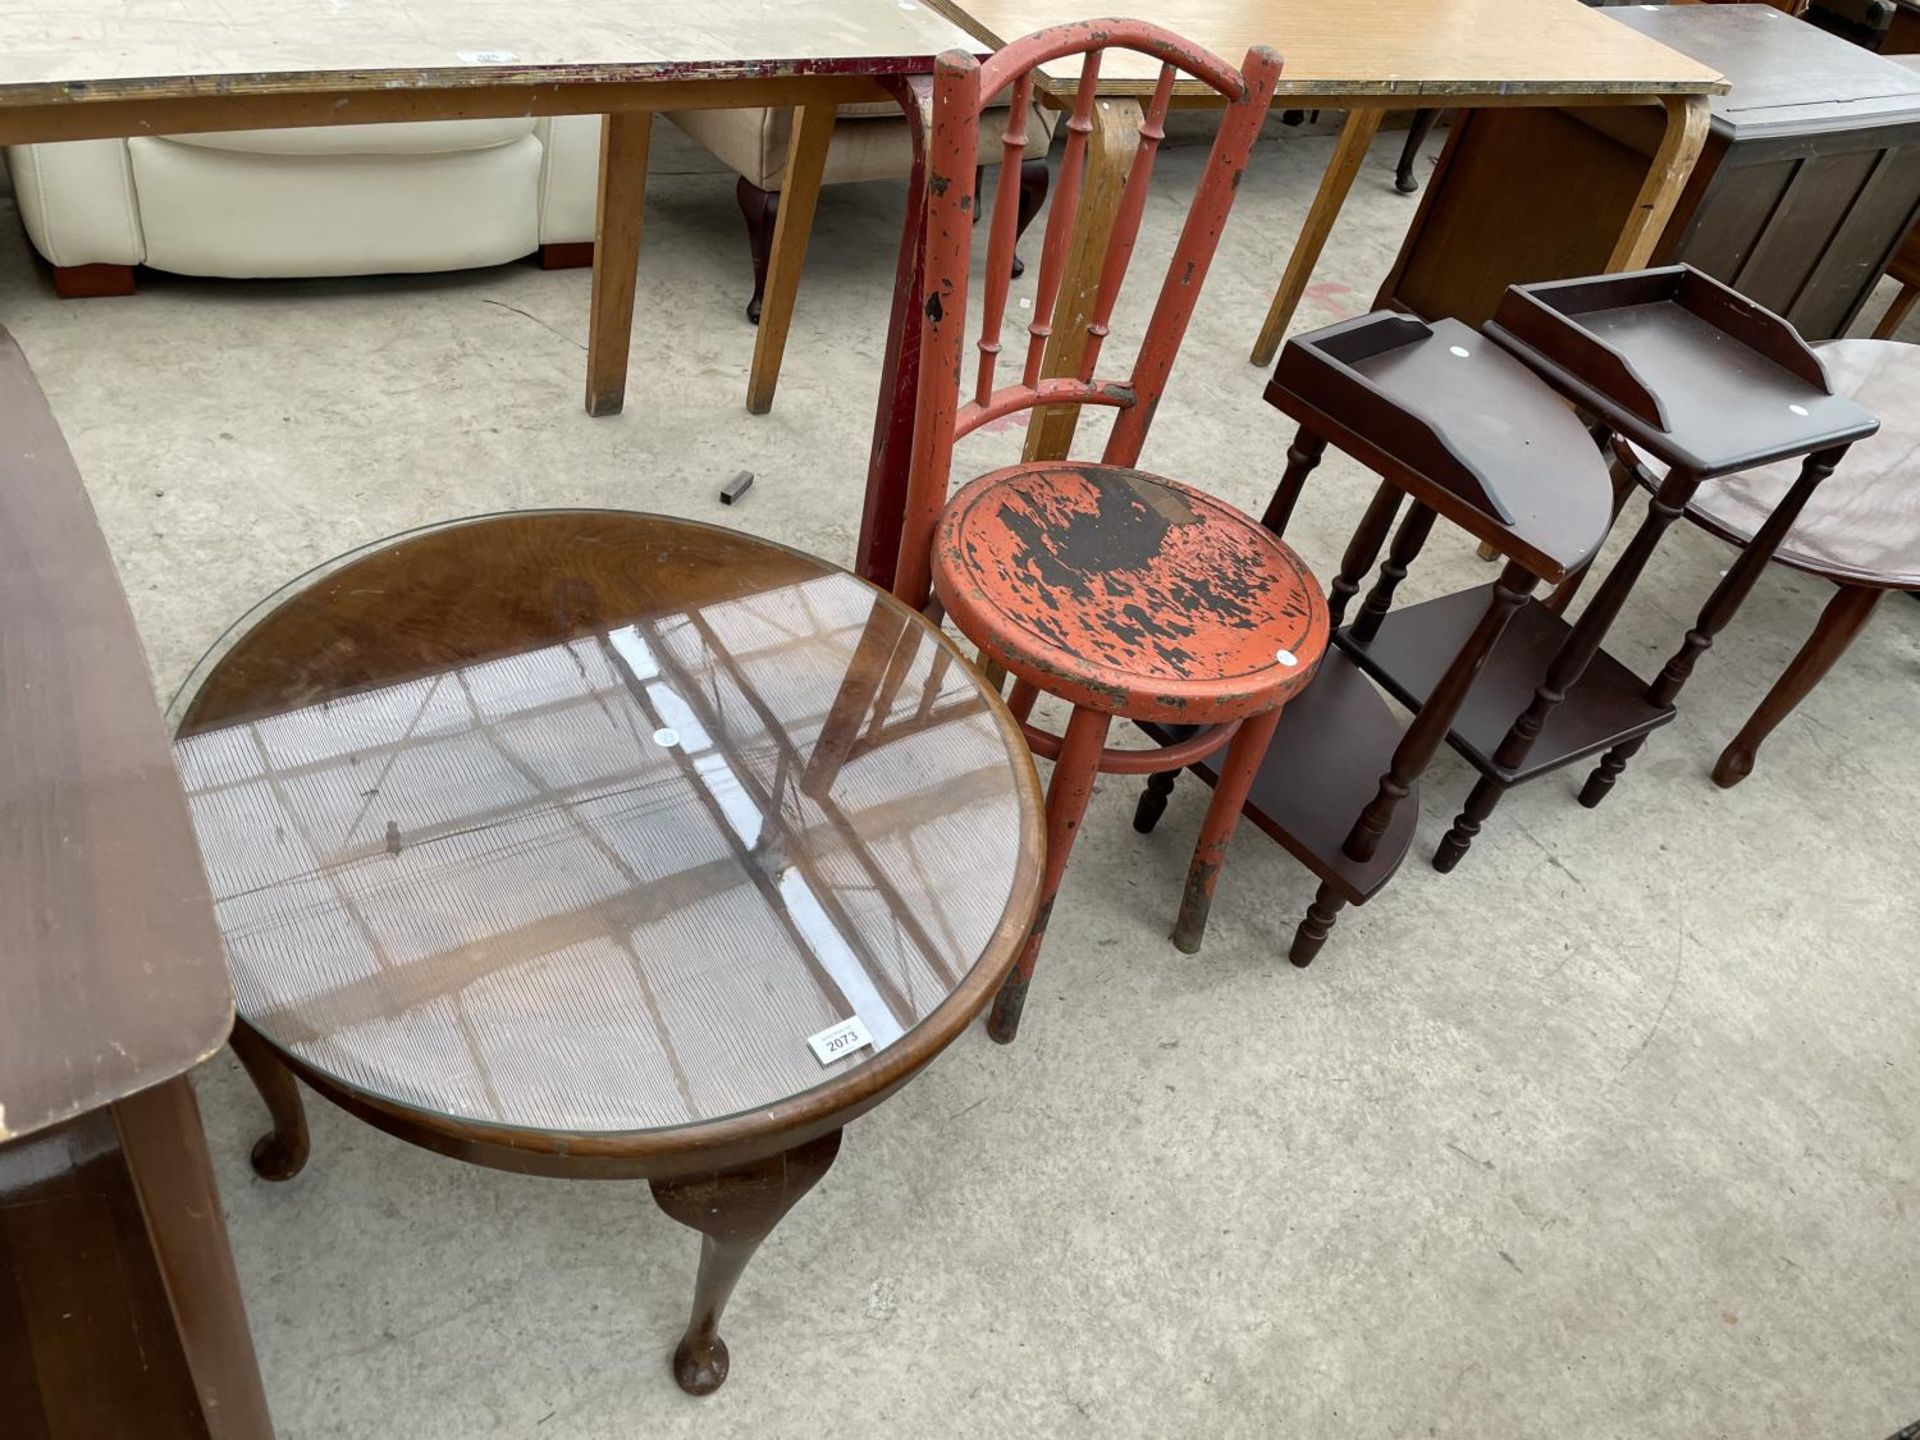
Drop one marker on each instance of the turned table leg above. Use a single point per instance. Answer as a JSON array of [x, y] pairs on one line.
[[624, 141], [734, 1210], [1843, 618], [1721, 606]]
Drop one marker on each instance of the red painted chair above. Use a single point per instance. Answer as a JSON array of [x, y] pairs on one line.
[[1125, 594]]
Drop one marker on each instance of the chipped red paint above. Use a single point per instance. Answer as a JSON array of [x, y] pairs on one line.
[[1129, 593], [1119, 592], [1067, 795]]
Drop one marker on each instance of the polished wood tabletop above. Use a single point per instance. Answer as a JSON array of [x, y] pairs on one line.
[[1385, 48], [111, 978], [582, 823], [88, 51]]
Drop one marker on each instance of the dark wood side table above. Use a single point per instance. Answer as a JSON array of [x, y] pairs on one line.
[[1458, 430], [1708, 382], [1809, 178], [1860, 530], [120, 1312], [608, 846]]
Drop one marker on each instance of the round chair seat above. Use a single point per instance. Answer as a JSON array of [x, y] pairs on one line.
[[1862, 525], [1127, 593]]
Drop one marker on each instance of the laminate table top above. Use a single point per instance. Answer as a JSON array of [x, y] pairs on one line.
[[1413, 51], [89, 51]]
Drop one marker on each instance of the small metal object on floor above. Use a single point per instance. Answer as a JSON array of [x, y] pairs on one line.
[[736, 487]]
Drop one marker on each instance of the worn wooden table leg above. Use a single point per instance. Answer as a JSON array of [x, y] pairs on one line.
[[1432, 721], [792, 228], [1110, 151], [1839, 623], [1667, 176], [734, 1210], [166, 1157], [1355, 137], [889, 461], [624, 139]]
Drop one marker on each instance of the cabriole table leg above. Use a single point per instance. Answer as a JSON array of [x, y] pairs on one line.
[[734, 1210]]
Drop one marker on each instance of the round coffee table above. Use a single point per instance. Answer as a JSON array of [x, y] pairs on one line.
[[605, 845]]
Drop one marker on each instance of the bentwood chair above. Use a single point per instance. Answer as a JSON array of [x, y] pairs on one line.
[[1124, 594]]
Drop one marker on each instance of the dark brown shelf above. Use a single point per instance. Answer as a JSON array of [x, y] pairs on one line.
[[1461, 425], [1333, 743], [1686, 366], [1415, 645]]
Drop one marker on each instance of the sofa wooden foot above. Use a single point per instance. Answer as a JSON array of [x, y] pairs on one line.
[[568, 255], [84, 282]]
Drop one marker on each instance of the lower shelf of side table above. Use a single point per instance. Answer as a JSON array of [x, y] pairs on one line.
[[1332, 745], [1415, 645]]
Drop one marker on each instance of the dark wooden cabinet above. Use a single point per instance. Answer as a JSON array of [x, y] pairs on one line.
[[1809, 178]]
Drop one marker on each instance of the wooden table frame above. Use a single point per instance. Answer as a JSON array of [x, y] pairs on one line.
[[1681, 140], [628, 108]]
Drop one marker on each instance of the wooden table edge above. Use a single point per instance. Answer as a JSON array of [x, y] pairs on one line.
[[766, 1129]]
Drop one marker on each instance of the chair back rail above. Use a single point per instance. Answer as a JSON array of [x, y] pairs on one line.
[[962, 86]]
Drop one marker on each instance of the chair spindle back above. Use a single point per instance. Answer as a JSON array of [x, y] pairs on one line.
[[962, 88]]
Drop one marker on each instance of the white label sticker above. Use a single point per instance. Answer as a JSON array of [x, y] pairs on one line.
[[837, 1042]]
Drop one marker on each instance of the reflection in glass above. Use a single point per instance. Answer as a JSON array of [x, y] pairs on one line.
[[616, 881]]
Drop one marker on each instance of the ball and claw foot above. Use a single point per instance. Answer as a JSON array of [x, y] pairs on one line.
[[1405, 182], [700, 1370], [274, 1159]]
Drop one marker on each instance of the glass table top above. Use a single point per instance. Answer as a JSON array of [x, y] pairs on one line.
[[589, 822]]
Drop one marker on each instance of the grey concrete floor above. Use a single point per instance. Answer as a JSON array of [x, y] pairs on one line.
[[1610, 1133]]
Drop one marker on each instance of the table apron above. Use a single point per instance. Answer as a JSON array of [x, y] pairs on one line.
[[115, 119]]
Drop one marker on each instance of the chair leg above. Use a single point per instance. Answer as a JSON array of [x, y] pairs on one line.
[[761, 210], [1485, 795], [1244, 753], [281, 1153], [1421, 126], [1839, 623], [1312, 933], [1153, 801], [1067, 795]]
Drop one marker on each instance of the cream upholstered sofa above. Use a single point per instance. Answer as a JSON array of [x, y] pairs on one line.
[[342, 200], [870, 142]]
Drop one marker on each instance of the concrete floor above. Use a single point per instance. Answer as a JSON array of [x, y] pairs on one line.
[[1610, 1133]]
